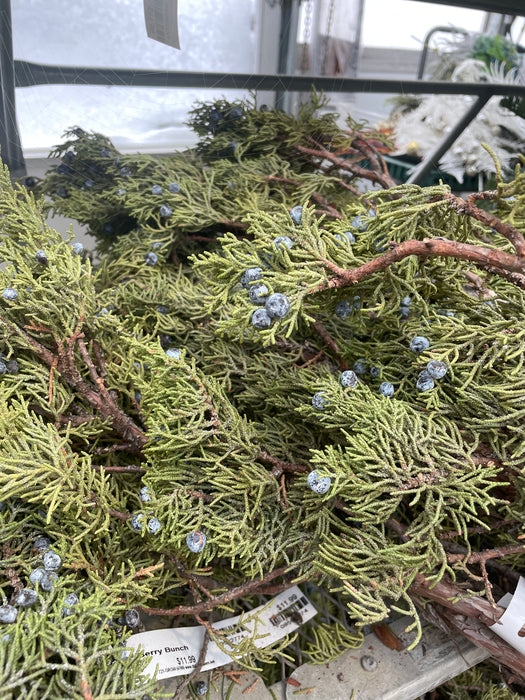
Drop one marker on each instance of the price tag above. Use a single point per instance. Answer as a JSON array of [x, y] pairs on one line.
[[176, 651], [513, 619], [161, 21]]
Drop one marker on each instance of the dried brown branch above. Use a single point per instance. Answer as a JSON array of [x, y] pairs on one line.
[[481, 557], [471, 616], [121, 516], [480, 635], [334, 347], [492, 564], [200, 663], [322, 153], [79, 419], [96, 396], [280, 466], [487, 194], [313, 360], [198, 581], [499, 262], [128, 468], [99, 356], [451, 596], [248, 588], [467, 207], [361, 144]]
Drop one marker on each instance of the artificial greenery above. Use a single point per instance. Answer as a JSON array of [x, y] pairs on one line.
[[141, 367], [496, 49]]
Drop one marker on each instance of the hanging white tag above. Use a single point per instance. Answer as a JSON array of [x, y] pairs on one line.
[[513, 619], [176, 651], [161, 21]]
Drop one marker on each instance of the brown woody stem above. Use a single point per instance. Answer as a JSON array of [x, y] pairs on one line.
[[128, 468], [250, 587], [374, 176], [97, 397], [481, 636], [477, 557], [467, 207], [504, 264], [200, 662], [334, 347], [280, 466]]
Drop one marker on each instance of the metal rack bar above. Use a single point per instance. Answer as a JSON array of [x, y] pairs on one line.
[[504, 7], [432, 160], [28, 74], [11, 148], [428, 36]]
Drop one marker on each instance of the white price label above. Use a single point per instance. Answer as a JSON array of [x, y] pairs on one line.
[[513, 619], [161, 21], [176, 651]]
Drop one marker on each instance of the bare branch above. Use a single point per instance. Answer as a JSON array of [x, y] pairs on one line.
[[250, 587], [504, 264], [467, 207], [280, 466], [481, 557], [374, 176], [334, 347]]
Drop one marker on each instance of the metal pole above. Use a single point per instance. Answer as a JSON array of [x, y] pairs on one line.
[[11, 149], [284, 47], [424, 52], [27, 74], [432, 160], [354, 60]]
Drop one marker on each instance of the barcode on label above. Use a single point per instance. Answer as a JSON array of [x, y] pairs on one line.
[[174, 652], [290, 613], [233, 628]]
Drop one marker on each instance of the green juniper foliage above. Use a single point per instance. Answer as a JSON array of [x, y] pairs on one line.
[[480, 683], [145, 369]]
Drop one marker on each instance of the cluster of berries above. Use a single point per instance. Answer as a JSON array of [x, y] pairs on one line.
[[71, 165], [435, 369], [11, 294], [7, 366], [219, 119], [404, 307], [276, 305], [45, 578], [153, 524], [349, 380], [195, 541]]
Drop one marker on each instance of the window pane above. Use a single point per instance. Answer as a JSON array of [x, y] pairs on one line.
[[111, 34]]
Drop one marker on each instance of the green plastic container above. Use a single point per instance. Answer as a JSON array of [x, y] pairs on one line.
[[400, 169]]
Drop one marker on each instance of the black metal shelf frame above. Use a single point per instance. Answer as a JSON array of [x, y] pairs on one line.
[[14, 73], [27, 74]]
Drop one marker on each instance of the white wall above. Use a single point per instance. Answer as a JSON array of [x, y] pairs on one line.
[[404, 23]]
